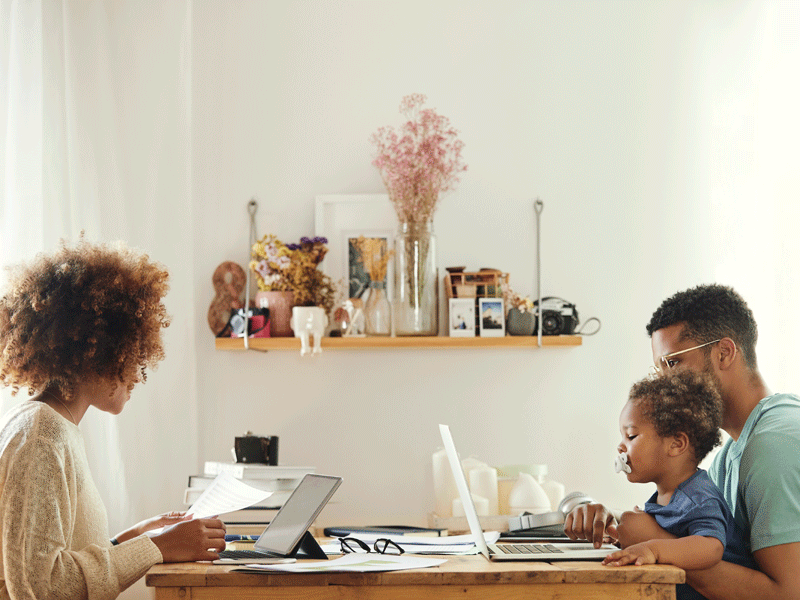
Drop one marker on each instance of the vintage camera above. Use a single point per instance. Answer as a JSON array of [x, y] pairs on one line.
[[251, 448], [258, 325], [559, 317]]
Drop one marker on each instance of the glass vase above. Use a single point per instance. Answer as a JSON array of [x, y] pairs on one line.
[[377, 310], [416, 295]]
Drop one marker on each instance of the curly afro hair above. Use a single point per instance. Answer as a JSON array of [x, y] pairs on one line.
[[682, 401], [91, 310], [710, 312]]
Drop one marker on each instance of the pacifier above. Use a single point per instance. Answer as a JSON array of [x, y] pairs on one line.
[[621, 463]]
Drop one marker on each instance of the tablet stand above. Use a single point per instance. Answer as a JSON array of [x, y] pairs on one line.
[[307, 547]]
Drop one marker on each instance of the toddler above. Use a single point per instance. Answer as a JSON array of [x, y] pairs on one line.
[[669, 424]]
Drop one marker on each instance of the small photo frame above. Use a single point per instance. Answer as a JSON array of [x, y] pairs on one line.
[[490, 312], [461, 317]]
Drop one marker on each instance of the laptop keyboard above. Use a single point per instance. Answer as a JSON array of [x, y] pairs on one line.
[[528, 549], [241, 554]]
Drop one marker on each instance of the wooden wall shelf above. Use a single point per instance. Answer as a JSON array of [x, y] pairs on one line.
[[354, 343]]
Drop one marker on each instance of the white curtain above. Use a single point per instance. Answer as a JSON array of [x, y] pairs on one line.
[[755, 174], [94, 137]]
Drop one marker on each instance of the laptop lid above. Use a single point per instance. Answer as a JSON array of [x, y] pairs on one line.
[[463, 491], [290, 524]]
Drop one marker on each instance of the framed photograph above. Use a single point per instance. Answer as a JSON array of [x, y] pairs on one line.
[[343, 218], [355, 243], [492, 323], [461, 317]]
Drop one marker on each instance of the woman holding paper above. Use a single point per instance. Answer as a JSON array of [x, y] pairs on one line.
[[78, 328]]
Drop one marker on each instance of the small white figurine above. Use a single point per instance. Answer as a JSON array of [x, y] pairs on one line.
[[355, 327], [621, 463], [308, 321]]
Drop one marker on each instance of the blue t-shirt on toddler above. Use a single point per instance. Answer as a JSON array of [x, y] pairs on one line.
[[698, 508]]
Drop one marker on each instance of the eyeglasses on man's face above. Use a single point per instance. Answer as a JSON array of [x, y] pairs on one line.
[[667, 362], [381, 546]]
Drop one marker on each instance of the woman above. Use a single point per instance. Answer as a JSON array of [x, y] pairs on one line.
[[78, 328]]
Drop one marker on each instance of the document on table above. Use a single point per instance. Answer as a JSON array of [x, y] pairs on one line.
[[419, 544], [225, 494], [360, 563]]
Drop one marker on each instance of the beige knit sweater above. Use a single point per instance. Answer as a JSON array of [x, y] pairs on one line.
[[54, 540]]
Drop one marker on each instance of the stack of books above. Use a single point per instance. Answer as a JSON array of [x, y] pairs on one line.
[[280, 480]]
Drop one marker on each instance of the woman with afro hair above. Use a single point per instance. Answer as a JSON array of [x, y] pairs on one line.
[[78, 328]]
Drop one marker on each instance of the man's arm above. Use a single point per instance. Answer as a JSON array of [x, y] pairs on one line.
[[777, 579]]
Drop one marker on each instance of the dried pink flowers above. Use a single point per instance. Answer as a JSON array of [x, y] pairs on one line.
[[420, 162]]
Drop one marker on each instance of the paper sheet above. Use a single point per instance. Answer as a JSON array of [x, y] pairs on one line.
[[225, 494], [360, 563]]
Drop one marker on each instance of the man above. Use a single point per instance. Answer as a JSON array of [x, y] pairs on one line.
[[710, 329]]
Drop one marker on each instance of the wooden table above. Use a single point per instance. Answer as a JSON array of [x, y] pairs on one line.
[[461, 577]]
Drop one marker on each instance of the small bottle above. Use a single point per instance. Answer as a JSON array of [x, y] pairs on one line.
[[555, 491]]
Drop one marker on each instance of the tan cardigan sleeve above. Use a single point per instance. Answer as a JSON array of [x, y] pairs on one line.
[[37, 515]]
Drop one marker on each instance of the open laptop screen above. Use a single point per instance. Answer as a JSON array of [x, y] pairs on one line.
[[297, 514]]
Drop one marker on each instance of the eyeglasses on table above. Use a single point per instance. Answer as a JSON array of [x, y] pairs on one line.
[[381, 546]]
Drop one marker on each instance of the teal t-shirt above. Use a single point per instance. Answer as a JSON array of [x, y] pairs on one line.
[[759, 474]]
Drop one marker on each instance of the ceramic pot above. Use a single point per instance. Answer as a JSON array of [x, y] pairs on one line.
[[519, 322], [280, 311]]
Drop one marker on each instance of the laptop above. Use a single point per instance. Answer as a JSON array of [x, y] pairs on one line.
[[512, 551], [286, 536]]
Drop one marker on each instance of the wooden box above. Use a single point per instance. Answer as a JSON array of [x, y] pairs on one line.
[[482, 284]]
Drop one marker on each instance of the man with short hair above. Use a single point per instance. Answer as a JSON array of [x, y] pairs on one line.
[[711, 329]]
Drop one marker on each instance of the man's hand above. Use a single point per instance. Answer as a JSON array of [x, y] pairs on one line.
[[638, 554], [592, 522], [199, 539]]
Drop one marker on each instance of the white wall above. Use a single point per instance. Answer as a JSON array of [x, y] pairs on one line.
[[599, 108]]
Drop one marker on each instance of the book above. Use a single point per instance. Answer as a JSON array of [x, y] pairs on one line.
[[385, 530], [252, 515], [240, 545], [255, 471], [276, 500], [201, 482]]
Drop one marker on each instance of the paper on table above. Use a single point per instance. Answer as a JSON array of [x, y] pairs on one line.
[[225, 494], [360, 563]]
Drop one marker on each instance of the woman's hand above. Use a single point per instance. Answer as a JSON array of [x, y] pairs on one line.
[[163, 520], [198, 539]]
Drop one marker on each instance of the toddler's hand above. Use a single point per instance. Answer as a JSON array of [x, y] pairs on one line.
[[638, 554]]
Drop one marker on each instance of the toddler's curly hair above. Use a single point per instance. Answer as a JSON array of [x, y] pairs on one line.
[[92, 310], [685, 401]]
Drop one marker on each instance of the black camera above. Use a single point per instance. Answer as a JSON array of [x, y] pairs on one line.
[[559, 317]]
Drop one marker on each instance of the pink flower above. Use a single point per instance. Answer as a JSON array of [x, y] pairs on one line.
[[421, 162]]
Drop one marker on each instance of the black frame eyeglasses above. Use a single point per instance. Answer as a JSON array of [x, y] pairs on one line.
[[381, 546]]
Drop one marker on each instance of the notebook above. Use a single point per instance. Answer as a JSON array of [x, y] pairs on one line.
[[287, 535], [518, 551]]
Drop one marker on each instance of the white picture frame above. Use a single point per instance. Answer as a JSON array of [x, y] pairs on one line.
[[342, 217], [491, 317], [461, 317]]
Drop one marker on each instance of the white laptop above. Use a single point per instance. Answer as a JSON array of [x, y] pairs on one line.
[[511, 551], [287, 536]]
